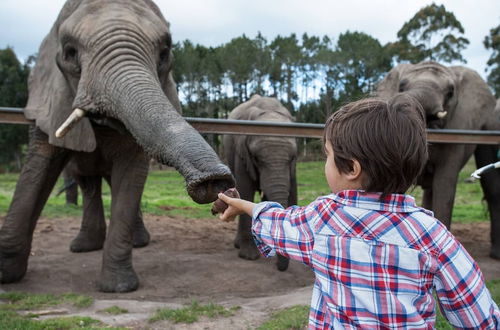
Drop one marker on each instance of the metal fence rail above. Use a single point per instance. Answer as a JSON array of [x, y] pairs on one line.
[[249, 127]]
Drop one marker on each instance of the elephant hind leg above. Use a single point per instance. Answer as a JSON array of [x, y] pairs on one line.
[[93, 229]]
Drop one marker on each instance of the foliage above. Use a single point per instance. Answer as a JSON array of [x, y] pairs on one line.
[[492, 41], [13, 93], [433, 33], [190, 314], [294, 317]]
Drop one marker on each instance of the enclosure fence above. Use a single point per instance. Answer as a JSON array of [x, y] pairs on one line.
[[300, 130]]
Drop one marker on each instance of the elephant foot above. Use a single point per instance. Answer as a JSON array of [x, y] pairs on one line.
[[13, 266], [495, 253], [85, 242], [249, 252], [282, 263], [121, 280], [141, 237]]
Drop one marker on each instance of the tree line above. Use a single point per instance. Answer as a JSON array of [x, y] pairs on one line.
[[311, 75]]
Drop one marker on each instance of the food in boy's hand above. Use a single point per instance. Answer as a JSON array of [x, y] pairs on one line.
[[219, 206]]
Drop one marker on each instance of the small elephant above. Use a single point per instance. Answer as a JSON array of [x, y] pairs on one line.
[[102, 95], [453, 98], [261, 163]]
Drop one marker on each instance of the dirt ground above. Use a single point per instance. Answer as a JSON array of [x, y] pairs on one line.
[[188, 259]]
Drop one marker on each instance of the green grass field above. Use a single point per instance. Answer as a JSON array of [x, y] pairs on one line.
[[165, 194]]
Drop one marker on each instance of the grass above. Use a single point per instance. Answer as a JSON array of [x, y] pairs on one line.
[[114, 310], [165, 194], [191, 313], [294, 318], [29, 301], [12, 302]]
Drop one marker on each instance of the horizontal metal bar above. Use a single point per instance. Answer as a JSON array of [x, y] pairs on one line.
[[250, 127]]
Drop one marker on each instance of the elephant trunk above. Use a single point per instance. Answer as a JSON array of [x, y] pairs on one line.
[[140, 104], [275, 186]]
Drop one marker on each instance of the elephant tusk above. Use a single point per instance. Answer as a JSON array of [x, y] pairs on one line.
[[74, 118], [441, 114]]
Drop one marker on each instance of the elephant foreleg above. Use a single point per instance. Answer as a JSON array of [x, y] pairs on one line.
[[490, 183], [127, 184], [93, 229], [37, 179]]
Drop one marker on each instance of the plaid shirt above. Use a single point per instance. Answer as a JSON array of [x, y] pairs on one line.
[[376, 262]]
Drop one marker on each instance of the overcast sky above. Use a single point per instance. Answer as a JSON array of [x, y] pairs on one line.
[[24, 23]]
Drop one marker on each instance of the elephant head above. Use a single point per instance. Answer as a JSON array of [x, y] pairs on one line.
[[447, 94], [109, 63]]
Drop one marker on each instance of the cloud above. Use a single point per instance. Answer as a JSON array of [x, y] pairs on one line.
[[24, 23]]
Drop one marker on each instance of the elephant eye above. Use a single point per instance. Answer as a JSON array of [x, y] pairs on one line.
[[402, 85], [450, 92], [70, 53], [164, 54]]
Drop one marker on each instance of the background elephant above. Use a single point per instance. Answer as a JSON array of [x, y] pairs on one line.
[[106, 66], [261, 163], [453, 98]]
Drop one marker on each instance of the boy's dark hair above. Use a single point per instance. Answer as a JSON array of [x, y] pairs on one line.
[[387, 138]]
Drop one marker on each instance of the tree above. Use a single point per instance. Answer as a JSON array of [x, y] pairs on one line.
[[432, 34], [286, 57], [360, 61], [13, 93], [492, 41]]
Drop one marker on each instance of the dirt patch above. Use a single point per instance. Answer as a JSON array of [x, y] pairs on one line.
[[189, 259]]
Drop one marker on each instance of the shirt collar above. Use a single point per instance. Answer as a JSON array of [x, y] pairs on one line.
[[375, 201]]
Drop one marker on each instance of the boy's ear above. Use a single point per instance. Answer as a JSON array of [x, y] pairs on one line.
[[355, 173]]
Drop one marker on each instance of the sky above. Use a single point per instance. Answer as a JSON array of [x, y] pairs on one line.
[[24, 23]]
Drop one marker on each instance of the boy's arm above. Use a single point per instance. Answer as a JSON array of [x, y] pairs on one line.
[[286, 231], [463, 296]]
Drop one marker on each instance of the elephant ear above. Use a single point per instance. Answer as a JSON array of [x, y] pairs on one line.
[[50, 99], [389, 86], [475, 107]]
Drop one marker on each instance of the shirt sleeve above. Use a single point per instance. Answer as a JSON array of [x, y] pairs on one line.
[[290, 232], [463, 296]]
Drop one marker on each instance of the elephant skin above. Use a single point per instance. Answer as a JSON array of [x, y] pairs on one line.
[[112, 61], [264, 164], [453, 97]]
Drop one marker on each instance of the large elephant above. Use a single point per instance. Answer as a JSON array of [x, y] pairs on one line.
[[454, 98], [264, 164], [102, 95]]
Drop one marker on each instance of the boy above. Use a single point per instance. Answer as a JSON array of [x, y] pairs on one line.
[[377, 257]]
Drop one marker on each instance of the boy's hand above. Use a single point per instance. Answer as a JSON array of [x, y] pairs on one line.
[[236, 206], [230, 213]]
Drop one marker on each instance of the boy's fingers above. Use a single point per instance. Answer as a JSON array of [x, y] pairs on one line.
[[223, 197]]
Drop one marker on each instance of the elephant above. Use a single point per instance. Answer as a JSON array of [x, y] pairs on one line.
[[261, 163], [102, 95], [453, 97]]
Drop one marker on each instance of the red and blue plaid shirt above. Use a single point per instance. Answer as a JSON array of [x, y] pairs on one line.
[[377, 262]]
